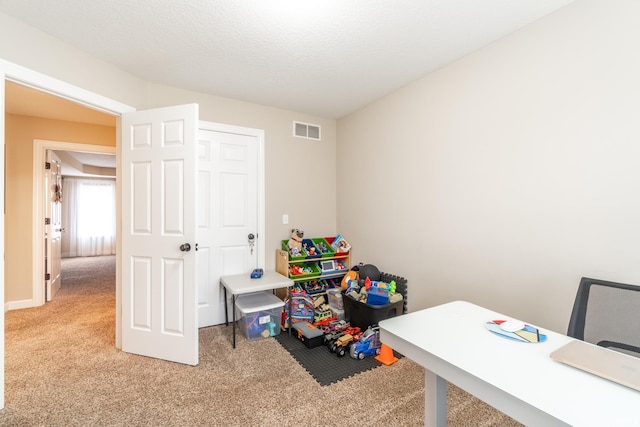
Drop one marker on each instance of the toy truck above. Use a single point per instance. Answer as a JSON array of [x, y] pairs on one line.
[[331, 337], [341, 344], [367, 345]]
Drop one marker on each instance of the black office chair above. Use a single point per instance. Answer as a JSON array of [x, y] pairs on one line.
[[607, 314]]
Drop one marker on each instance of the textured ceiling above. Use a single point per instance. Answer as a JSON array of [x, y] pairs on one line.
[[323, 57]]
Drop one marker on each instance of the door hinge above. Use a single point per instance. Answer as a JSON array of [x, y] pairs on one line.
[[47, 276], [47, 221], [47, 165]]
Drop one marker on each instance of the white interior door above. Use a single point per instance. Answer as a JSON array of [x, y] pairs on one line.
[[53, 229], [228, 204], [159, 309]]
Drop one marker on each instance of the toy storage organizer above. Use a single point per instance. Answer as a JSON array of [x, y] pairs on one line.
[[321, 266], [260, 314], [315, 272]]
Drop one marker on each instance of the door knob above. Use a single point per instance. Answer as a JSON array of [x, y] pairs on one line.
[[251, 237], [185, 247]]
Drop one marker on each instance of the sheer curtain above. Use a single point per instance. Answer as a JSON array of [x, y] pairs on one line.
[[89, 217]]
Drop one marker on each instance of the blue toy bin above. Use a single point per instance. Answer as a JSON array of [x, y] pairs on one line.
[[377, 296], [310, 249]]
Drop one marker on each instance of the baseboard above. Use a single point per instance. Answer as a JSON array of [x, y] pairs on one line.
[[17, 305]]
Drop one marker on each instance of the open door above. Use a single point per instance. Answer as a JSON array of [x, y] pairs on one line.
[[53, 225], [158, 169]]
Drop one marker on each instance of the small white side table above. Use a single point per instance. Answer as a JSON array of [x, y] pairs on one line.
[[243, 284]]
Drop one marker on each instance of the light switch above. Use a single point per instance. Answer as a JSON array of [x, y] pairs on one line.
[[285, 219]]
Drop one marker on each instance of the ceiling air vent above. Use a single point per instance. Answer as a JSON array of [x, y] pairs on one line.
[[306, 130]]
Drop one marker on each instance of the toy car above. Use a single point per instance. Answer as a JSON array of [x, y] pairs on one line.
[[341, 345], [367, 345], [331, 337]]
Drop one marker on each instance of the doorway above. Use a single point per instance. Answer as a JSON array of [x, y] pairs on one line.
[[86, 202], [15, 74], [20, 75], [40, 149], [30, 112]]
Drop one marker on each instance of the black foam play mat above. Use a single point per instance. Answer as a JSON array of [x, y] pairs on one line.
[[325, 367]]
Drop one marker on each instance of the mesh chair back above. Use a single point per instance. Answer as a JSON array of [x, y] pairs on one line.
[[607, 314]]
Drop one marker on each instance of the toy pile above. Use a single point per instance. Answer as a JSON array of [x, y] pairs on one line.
[[318, 319], [367, 288], [339, 337]]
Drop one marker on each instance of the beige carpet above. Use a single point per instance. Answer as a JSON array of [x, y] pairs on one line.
[[62, 369]]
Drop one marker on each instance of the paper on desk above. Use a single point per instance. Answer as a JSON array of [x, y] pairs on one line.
[[527, 334]]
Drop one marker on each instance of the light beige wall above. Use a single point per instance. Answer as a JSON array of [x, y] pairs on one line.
[[503, 178], [38, 51], [20, 131]]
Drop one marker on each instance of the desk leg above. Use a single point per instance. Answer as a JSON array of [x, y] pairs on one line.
[[233, 311], [435, 400]]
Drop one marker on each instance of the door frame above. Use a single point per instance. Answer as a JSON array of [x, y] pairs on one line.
[[33, 79], [40, 147]]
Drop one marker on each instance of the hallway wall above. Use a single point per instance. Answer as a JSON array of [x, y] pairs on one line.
[[20, 131]]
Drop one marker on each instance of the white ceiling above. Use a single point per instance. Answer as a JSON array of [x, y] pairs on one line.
[[76, 163], [322, 57]]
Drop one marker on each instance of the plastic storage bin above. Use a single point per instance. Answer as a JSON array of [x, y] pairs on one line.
[[365, 315], [260, 314], [303, 270], [337, 313], [310, 249], [299, 256], [334, 298], [326, 251]]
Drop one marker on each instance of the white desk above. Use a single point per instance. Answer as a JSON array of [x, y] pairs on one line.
[[520, 379], [243, 284]]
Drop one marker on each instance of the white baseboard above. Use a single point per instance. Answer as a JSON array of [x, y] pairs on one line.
[[17, 305]]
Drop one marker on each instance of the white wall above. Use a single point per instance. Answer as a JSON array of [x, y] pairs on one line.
[[38, 51], [505, 177]]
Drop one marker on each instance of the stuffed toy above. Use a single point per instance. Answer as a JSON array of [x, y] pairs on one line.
[[295, 242]]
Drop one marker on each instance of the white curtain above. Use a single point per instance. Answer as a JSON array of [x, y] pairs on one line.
[[89, 217]]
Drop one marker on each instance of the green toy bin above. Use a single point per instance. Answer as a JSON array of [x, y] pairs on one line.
[[311, 267], [301, 255], [326, 251]]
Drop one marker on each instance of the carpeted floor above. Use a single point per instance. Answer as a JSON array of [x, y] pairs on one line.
[[62, 369]]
